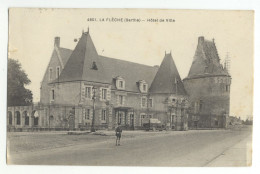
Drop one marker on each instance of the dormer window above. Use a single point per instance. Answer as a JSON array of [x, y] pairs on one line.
[[172, 99], [120, 83], [94, 66], [143, 86]]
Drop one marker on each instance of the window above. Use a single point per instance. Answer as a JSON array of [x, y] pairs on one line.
[[27, 120], [87, 114], [196, 106], [143, 102], [182, 112], [173, 100], [57, 71], [18, 118], [121, 84], [88, 92], [119, 121], [121, 99], [52, 94], [36, 121], [10, 118], [201, 104], [104, 115], [104, 94], [131, 119], [150, 102], [144, 88], [227, 88], [142, 118], [50, 73]]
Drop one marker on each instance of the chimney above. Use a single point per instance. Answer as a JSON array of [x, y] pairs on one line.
[[57, 41], [201, 40]]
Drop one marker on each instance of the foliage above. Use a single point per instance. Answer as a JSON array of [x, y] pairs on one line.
[[17, 94], [247, 122]]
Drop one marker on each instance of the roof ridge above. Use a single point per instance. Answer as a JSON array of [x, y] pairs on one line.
[[127, 61], [83, 70]]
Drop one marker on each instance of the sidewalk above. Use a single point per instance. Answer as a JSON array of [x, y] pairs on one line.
[[239, 155]]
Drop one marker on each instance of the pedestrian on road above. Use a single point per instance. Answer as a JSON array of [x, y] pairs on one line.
[[118, 134]]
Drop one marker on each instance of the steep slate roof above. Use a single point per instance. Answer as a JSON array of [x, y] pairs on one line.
[[206, 60], [79, 65], [129, 71], [65, 54], [164, 81], [79, 61]]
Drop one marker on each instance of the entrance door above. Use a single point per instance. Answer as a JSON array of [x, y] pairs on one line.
[[142, 118], [172, 122], [120, 115]]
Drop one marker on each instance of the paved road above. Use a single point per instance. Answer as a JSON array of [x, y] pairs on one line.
[[191, 148]]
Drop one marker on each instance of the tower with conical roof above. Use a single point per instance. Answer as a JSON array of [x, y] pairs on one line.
[[208, 87], [168, 91], [84, 63], [83, 69]]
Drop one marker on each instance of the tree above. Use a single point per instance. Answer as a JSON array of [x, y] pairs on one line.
[[17, 94]]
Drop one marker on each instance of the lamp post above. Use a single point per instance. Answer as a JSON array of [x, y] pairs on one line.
[[93, 119]]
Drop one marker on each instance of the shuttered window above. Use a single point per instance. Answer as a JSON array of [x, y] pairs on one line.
[[121, 99], [143, 102], [150, 102], [87, 114], [104, 115], [88, 92], [104, 94]]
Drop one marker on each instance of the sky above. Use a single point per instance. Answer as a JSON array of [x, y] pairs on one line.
[[32, 32]]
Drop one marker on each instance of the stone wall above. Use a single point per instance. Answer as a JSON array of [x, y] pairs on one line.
[[210, 100]]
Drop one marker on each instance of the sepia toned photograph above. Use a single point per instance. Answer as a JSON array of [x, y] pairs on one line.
[[130, 87]]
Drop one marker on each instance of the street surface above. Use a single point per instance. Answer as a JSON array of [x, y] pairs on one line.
[[182, 148]]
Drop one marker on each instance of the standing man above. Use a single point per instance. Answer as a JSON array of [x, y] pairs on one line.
[[118, 134]]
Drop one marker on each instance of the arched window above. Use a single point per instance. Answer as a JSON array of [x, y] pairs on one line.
[[18, 118], [26, 118], [10, 118], [36, 121], [35, 117]]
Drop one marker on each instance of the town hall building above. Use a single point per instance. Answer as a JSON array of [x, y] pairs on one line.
[[81, 90]]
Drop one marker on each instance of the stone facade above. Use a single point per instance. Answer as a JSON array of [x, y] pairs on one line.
[[208, 86], [79, 86]]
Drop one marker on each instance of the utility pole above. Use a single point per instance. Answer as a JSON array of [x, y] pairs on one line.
[[93, 119]]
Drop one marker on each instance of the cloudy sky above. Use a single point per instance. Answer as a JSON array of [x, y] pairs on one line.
[[32, 32]]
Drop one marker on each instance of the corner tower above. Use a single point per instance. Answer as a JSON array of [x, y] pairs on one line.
[[208, 87], [167, 90]]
